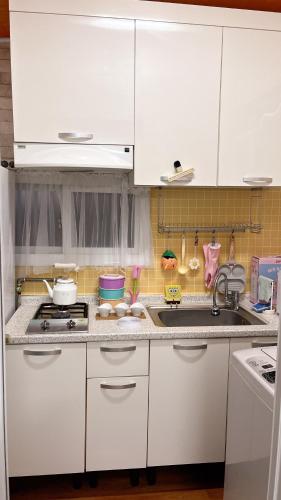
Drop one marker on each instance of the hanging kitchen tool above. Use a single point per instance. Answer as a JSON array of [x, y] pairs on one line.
[[168, 259], [231, 256], [211, 254], [213, 242], [194, 263], [236, 278], [182, 269]]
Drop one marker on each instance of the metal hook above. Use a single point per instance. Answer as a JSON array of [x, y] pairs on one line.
[[196, 239], [213, 237]]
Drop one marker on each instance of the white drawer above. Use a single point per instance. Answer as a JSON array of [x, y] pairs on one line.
[[117, 359]]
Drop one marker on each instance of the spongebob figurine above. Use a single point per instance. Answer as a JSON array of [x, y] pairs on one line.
[[173, 294]]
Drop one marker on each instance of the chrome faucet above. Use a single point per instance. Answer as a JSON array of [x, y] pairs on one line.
[[215, 311], [231, 298]]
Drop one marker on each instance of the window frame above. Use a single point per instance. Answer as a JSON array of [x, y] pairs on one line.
[[46, 256]]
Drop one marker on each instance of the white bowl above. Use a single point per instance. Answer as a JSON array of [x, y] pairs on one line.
[[121, 309], [106, 305], [137, 308], [104, 310], [130, 323]]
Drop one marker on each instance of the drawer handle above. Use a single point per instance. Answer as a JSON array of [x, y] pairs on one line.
[[258, 180], [116, 386], [180, 347], [74, 136], [118, 349], [30, 352], [263, 344]]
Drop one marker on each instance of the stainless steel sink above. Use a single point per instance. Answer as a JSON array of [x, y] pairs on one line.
[[201, 316]]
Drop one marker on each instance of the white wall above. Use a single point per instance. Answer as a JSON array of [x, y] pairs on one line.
[[7, 239], [3, 463]]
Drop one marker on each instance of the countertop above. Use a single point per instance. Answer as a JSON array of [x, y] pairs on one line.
[[105, 330]]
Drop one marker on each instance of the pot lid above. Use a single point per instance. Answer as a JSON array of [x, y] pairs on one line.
[[65, 281], [112, 276]]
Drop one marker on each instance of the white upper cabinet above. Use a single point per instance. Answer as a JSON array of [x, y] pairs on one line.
[[73, 78], [250, 125], [177, 101]]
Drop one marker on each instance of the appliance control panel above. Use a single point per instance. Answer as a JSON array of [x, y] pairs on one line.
[[264, 366]]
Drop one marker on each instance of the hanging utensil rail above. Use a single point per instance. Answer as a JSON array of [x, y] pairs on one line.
[[236, 228], [253, 227]]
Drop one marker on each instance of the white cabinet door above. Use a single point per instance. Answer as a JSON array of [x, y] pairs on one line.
[[72, 75], [250, 124], [46, 409], [116, 423], [237, 344], [177, 101], [187, 401], [117, 359]]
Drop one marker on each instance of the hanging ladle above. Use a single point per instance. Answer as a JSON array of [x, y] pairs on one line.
[[182, 269]]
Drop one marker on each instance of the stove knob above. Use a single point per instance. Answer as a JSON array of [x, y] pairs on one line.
[[45, 325], [70, 324]]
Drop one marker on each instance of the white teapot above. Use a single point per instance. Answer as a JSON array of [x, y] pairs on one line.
[[64, 292]]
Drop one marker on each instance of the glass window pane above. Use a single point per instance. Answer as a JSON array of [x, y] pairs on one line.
[[97, 218], [32, 205]]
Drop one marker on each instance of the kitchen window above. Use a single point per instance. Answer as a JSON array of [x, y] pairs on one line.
[[90, 219]]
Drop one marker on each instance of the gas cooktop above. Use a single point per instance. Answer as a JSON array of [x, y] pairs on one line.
[[50, 318]]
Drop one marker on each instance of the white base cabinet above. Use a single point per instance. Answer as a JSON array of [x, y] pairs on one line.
[[237, 344], [116, 423], [187, 401], [174, 415], [46, 408], [117, 405]]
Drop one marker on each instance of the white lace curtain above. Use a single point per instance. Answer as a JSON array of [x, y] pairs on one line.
[[90, 219]]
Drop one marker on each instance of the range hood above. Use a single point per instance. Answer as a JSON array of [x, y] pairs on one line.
[[73, 156]]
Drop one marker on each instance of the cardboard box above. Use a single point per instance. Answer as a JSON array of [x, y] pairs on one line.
[[264, 266]]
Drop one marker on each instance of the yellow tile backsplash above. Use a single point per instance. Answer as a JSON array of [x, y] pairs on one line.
[[195, 206]]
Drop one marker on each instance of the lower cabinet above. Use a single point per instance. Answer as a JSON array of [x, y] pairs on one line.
[[117, 405], [187, 401], [179, 417], [46, 408], [116, 423], [237, 344]]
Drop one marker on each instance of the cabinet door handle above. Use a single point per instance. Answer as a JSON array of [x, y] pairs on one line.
[[118, 349], [259, 181], [198, 347], [256, 343], [75, 136], [118, 386], [52, 352]]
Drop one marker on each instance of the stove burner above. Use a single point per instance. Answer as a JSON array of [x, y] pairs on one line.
[[61, 314], [53, 311], [51, 318]]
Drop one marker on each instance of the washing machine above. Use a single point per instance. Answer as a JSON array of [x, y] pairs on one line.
[[249, 423]]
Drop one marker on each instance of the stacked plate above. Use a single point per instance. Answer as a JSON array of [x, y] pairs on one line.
[[111, 288], [236, 277]]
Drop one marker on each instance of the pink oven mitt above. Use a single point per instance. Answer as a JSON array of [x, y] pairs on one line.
[[211, 253]]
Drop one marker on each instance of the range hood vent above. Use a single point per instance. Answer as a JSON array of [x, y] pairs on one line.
[[73, 156]]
